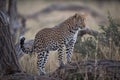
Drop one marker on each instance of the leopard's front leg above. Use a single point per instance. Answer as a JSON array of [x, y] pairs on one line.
[[69, 50], [60, 56]]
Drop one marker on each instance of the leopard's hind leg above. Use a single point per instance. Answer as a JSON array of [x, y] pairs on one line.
[[42, 59]]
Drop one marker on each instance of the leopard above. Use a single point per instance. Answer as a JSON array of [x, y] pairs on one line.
[[58, 38]]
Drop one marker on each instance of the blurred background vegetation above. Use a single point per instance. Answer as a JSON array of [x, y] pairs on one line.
[[106, 45]]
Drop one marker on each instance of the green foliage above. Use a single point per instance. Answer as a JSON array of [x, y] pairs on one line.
[[112, 32], [108, 39], [86, 45]]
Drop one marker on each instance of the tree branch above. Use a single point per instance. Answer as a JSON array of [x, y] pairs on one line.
[[65, 7], [29, 43]]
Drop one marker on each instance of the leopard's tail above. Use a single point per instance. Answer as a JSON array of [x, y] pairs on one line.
[[24, 49]]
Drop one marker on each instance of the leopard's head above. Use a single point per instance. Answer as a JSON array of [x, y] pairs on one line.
[[80, 19]]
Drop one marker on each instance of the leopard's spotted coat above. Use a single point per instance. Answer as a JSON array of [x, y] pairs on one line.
[[51, 39]]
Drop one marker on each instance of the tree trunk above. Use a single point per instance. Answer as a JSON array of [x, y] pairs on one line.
[[14, 23], [9, 65], [3, 5], [8, 60]]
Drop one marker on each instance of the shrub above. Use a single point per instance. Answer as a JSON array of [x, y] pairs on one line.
[[106, 44]]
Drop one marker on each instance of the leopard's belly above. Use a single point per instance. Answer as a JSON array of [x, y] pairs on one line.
[[52, 46]]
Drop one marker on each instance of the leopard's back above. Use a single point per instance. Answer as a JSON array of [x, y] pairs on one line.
[[47, 39], [51, 38]]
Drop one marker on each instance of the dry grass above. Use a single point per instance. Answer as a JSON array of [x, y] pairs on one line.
[[28, 62]]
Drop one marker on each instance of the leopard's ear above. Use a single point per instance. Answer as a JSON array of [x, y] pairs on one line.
[[84, 14], [76, 15]]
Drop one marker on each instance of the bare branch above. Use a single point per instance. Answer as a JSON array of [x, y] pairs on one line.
[[65, 7], [88, 31], [29, 43]]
